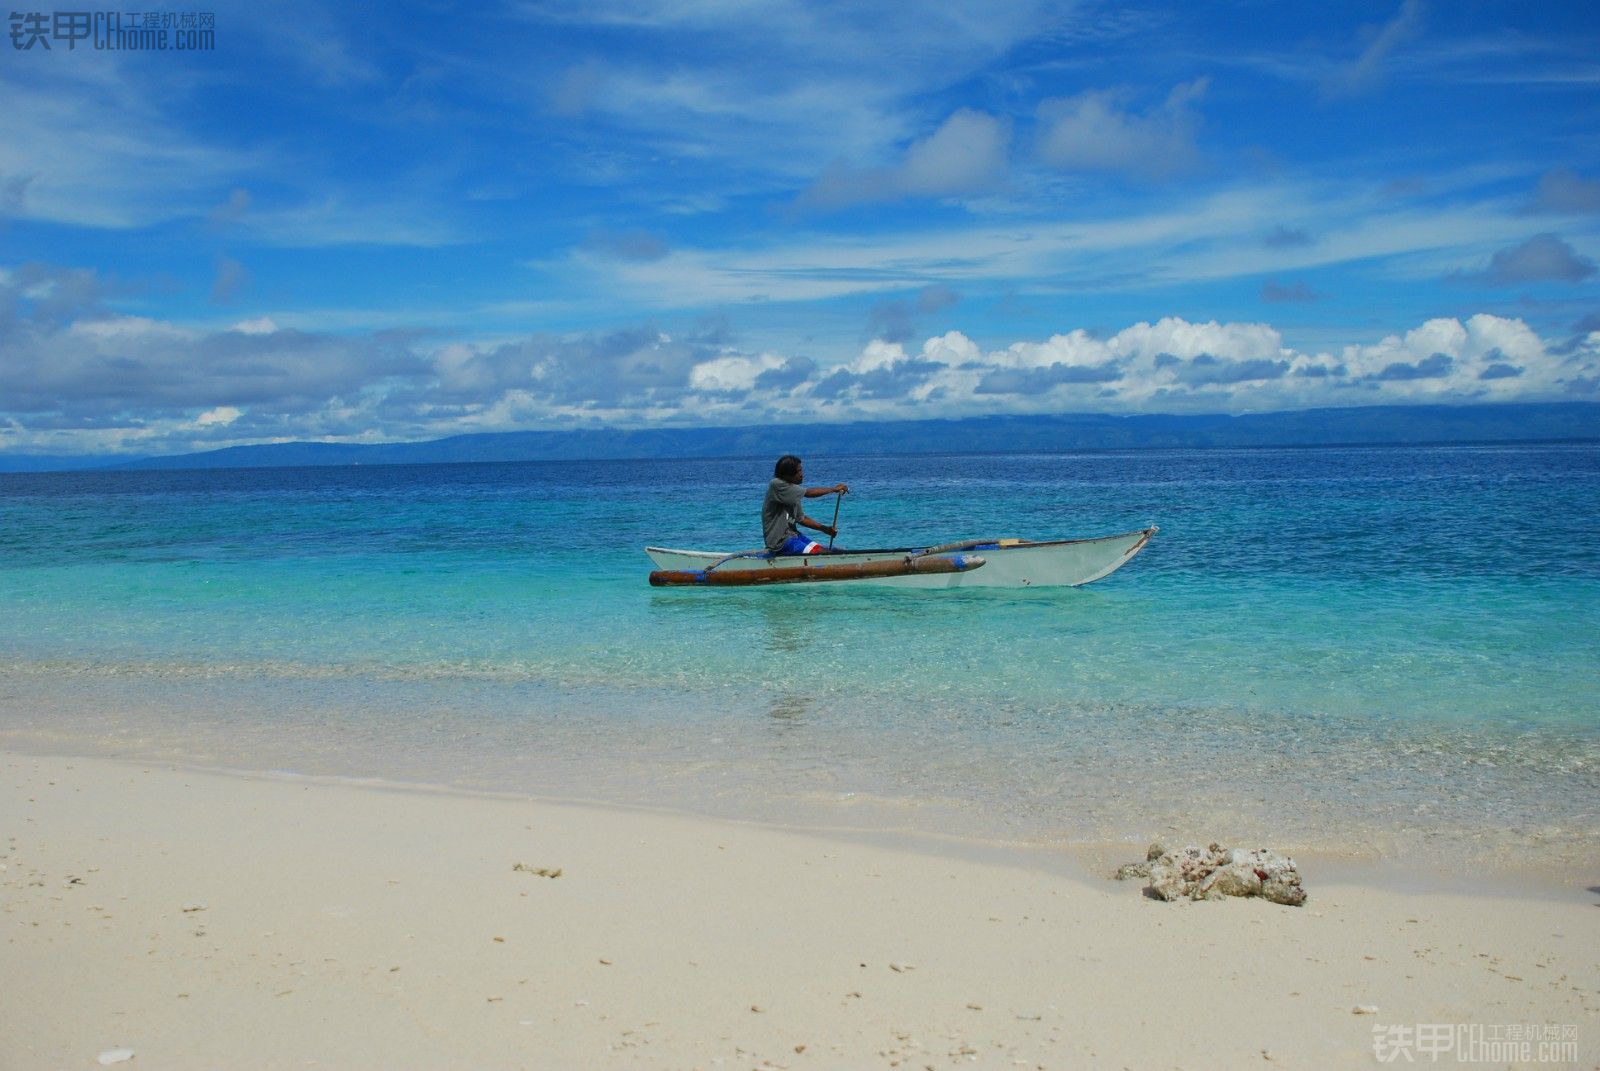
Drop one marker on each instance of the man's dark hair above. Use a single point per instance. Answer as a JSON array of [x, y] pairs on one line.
[[787, 468]]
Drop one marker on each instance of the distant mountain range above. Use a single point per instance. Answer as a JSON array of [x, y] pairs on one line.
[[1311, 427]]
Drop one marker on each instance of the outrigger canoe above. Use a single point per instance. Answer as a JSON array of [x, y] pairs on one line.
[[994, 563]]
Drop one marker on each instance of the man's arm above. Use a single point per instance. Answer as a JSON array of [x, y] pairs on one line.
[[818, 492], [825, 529]]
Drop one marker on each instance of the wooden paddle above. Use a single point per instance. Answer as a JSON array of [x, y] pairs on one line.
[[838, 500]]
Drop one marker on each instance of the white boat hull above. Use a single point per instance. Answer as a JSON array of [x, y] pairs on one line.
[[1008, 563]]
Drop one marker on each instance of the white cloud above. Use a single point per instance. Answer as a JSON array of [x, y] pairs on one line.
[[222, 415], [965, 155], [1200, 237], [1485, 357], [730, 374], [261, 325], [760, 95], [104, 139], [1074, 349], [1183, 339], [1092, 132], [120, 329], [1173, 365], [335, 219], [952, 348], [75, 369], [96, 147], [877, 356]]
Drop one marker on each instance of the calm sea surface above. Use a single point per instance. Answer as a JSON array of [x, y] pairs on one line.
[[1375, 650]]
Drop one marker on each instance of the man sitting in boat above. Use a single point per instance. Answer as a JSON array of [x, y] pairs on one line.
[[782, 514]]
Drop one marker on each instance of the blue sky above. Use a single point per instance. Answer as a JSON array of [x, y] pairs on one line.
[[359, 224]]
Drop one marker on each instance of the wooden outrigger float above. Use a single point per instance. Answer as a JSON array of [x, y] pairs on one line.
[[1002, 563], [805, 573]]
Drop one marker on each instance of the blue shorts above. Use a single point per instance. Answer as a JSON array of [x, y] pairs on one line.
[[800, 545]]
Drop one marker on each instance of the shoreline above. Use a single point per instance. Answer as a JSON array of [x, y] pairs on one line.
[[206, 918], [1092, 861]]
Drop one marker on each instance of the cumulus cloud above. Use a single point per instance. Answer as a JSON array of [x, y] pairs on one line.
[[76, 374], [69, 355], [1542, 258], [1147, 360], [1443, 359], [965, 155], [1176, 365], [882, 372], [734, 374], [638, 367], [1093, 132]]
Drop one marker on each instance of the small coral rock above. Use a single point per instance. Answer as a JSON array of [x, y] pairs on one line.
[[1215, 873]]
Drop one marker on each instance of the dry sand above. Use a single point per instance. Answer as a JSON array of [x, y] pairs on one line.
[[210, 920]]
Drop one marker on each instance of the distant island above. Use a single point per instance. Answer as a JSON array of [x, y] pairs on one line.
[[1388, 424]]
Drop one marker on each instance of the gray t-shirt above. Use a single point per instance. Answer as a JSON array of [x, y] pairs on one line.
[[781, 512]]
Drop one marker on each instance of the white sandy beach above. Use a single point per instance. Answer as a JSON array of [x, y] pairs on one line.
[[212, 920]]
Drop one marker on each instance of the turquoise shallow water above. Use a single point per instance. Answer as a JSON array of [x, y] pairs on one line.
[[1363, 649]]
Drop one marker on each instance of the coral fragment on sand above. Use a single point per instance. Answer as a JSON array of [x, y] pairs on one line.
[[1216, 873]]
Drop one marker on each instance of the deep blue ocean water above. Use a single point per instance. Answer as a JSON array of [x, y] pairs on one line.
[[1367, 649]]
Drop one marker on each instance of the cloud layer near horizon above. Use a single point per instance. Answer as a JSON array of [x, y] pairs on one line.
[[79, 376]]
